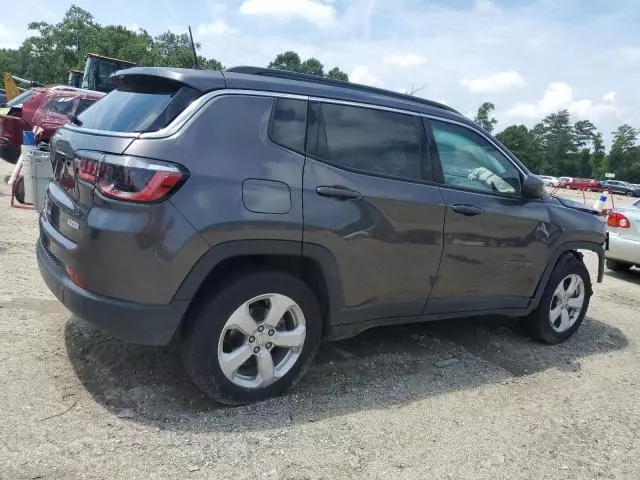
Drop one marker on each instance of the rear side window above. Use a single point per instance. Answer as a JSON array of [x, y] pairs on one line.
[[289, 123], [132, 110], [367, 140]]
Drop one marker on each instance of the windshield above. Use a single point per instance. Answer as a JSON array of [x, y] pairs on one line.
[[20, 99]]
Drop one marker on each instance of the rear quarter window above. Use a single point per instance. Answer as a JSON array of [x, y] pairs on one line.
[[288, 125]]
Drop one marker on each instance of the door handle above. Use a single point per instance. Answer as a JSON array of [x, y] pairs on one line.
[[468, 210], [341, 193]]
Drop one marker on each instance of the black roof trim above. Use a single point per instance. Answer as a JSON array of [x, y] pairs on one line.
[[304, 77]]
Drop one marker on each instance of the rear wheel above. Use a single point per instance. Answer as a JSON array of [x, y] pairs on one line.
[[564, 302], [254, 338], [617, 266], [629, 194]]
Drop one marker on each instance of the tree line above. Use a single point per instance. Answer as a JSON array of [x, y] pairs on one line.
[[555, 146], [558, 147], [52, 50]]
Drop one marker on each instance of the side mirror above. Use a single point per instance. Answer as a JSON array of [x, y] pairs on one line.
[[532, 186]]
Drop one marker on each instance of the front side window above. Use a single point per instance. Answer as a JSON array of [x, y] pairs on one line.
[[365, 139], [470, 161]]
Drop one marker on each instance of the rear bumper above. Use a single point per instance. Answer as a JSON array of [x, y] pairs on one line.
[[127, 321], [623, 249]]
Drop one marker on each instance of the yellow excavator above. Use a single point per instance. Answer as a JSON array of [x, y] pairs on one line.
[[11, 88]]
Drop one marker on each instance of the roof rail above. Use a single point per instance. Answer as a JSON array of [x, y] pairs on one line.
[[305, 77]]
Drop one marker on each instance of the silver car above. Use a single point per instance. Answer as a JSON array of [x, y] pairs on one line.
[[623, 232]]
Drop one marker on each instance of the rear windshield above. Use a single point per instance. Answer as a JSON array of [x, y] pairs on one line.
[[135, 110]]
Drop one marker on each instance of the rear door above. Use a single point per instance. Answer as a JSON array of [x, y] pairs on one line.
[[370, 200], [495, 240]]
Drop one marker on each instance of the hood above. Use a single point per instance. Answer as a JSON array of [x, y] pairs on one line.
[[583, 207]]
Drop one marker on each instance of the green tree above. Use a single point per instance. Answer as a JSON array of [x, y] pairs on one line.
[[523, 144], [338, 74], [484, 118], [624, 158], [52, 50], [290, 61]]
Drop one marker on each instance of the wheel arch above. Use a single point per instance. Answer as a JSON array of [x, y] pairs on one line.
[[564, 251], [314, 264]]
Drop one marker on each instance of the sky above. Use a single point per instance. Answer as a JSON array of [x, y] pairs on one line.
[[529, 57]]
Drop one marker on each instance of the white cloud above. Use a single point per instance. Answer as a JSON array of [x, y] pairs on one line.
[[215, 29], [364, 76], [134, 27], [559, 96], [321, 14], [405, 60], [494, 83]]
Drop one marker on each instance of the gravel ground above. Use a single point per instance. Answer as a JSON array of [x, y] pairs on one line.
[[459, 399]]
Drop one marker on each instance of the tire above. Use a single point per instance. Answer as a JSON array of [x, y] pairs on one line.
[[629, 194], [539, 322], [617, 266], [207, 325], [19, 189]]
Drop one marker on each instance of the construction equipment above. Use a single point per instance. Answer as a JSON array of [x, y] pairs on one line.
[[97, 70], [75, 78], [11, 88]]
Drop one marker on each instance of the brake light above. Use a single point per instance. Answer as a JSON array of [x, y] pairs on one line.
[[618, 220], [130, 178]]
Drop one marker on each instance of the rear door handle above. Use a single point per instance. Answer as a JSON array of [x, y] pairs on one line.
[[468, 210], [342, 193]]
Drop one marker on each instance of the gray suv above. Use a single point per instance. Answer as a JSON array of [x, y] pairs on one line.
[[251, 214]]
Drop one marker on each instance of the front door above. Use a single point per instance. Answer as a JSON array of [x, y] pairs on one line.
[[495, 240], [369, 199]]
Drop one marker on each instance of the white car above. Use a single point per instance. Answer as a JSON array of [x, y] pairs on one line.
[[550, 181], [623, 237]]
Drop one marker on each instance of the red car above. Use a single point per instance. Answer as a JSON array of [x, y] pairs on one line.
[[46, 108], [588, 184]]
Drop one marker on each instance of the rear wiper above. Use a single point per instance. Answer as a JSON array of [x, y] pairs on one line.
[[74, 119]]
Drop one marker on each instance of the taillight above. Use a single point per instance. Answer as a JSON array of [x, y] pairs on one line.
[[87, 168], [618, 220], [130, 178]]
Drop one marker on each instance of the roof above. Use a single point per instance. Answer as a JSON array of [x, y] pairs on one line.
[[97, 55], [255, 78]]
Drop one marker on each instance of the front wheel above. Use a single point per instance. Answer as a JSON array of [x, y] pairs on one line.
[[253, 339], [564, 302]]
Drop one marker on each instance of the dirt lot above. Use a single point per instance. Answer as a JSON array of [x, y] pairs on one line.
[[77, 404]]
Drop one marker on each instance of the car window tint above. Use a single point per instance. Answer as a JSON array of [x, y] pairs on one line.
[[61, 105], [289, 123], [469, 160], [365, 139]]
